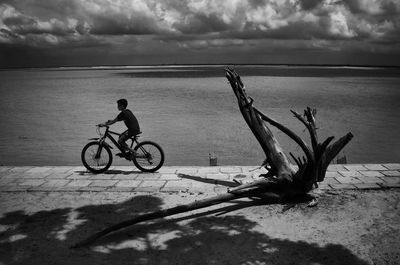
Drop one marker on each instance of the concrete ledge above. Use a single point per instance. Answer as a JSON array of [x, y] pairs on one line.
[[182, 179]]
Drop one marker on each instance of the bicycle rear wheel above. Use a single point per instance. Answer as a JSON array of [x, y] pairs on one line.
[[149, 156], [94, 159]]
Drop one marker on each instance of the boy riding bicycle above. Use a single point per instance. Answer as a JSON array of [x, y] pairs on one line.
[[131, 123]]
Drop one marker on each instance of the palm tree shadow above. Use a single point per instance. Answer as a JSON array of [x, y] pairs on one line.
[[125, 234], [44, 237], [233, 206]]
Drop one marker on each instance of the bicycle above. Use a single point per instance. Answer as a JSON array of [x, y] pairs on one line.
[[96, 156]]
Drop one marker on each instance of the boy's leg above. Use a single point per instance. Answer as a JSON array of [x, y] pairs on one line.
[[122, 140]]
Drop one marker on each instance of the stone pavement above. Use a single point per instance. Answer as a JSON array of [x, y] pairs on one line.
[[181, 179]]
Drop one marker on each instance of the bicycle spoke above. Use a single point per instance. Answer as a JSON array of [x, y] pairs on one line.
[[96, 162], [148, 156]]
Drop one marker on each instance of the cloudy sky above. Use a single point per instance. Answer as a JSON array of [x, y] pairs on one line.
[[140, 32]]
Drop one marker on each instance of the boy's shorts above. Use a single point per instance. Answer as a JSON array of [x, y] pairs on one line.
[[125, 136]]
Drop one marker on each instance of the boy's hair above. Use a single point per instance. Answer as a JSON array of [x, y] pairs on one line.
[[123, 102]]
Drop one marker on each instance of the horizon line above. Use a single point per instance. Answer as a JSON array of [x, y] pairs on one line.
[[103, 67]]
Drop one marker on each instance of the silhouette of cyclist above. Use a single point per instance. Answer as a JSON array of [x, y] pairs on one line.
[[131, 123]]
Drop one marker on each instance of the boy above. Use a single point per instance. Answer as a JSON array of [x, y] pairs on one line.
[[130, 121]]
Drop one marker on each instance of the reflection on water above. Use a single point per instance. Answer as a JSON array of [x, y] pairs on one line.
[[47, 116]]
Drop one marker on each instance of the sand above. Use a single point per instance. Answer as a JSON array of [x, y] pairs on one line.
[[349, 227]]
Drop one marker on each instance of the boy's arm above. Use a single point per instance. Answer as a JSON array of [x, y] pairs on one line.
[[109, 122]]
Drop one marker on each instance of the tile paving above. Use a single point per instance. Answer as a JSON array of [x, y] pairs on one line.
[[182, 179]]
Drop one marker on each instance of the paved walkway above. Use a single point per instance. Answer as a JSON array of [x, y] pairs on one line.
[[182, 179]]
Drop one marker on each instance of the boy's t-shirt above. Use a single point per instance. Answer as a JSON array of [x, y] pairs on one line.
[[130, 121]]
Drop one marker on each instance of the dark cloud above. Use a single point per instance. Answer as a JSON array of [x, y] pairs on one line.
[[391, 9], [105, 25], [46, 10], [257, 3], [201, 24], [197, 25], [269, 19], [374, 8], [298, 31], [310, 4], [26, 25], [9, 34]]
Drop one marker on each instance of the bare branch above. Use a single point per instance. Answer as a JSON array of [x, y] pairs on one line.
[[298, 162], [289, 133], [310, 125]]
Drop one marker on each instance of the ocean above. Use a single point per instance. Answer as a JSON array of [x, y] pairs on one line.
[[48, 115]]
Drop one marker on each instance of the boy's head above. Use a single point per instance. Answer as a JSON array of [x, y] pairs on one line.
[[122, 103]]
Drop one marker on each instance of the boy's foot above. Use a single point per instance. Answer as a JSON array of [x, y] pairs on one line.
[[123, 154], [128, 155]]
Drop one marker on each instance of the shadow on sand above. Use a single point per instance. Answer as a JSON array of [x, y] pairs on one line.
[[209, 180], [44, 237]]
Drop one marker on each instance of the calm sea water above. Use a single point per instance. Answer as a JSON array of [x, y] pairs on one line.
[[47, 115]]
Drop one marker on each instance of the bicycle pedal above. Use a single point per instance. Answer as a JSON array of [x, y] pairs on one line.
[[129, 156]]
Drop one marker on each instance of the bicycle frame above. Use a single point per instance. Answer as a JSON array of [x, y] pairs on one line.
[[108, 134]]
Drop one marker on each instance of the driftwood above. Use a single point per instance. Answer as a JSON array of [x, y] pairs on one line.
[[283, 179]]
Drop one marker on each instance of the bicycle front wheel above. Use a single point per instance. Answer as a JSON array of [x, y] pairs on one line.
[[96, 158], [149, 156]]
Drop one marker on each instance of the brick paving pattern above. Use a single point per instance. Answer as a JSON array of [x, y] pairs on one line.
[[182, 179]]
